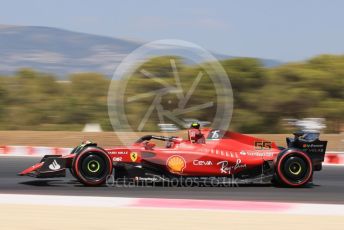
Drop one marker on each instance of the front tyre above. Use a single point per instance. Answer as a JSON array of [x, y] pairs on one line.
[[92, 166], [293, 168]]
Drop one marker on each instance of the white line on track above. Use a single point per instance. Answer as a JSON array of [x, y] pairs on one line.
[[336, 165], [65, 200], [19, 156], [184, 204]]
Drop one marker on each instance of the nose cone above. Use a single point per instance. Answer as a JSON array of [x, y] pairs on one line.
[[31, 169]]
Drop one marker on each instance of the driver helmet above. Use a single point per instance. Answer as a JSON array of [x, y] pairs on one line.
[[195, 125]]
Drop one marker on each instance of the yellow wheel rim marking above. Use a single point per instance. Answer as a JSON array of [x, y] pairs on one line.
[[292, 171]]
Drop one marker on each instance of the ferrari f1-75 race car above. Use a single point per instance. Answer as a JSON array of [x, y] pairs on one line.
[[223, 155]]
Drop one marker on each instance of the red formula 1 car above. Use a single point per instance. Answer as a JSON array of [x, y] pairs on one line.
[[224, 155]]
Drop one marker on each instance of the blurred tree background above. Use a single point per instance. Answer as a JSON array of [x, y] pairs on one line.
[[155, 80], [36, 101], [263, 97]]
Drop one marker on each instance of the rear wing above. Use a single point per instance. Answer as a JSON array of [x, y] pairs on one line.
[[309, 142]]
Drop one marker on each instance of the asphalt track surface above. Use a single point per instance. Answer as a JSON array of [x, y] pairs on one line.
[[328, 187]]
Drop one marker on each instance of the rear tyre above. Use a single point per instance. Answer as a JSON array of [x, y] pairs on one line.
[[92, 166], [293, 168]]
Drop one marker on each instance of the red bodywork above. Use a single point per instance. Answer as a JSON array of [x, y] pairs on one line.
[[230, 154]]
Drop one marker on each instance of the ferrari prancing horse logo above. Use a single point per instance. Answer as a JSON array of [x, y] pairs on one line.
[[133, 156]]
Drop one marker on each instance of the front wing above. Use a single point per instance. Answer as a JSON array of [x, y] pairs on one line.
[[50, 166]]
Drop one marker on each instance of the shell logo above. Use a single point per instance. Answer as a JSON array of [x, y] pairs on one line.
[[176, 164]]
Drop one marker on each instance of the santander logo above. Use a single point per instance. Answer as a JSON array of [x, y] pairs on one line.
[[54, 166]]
